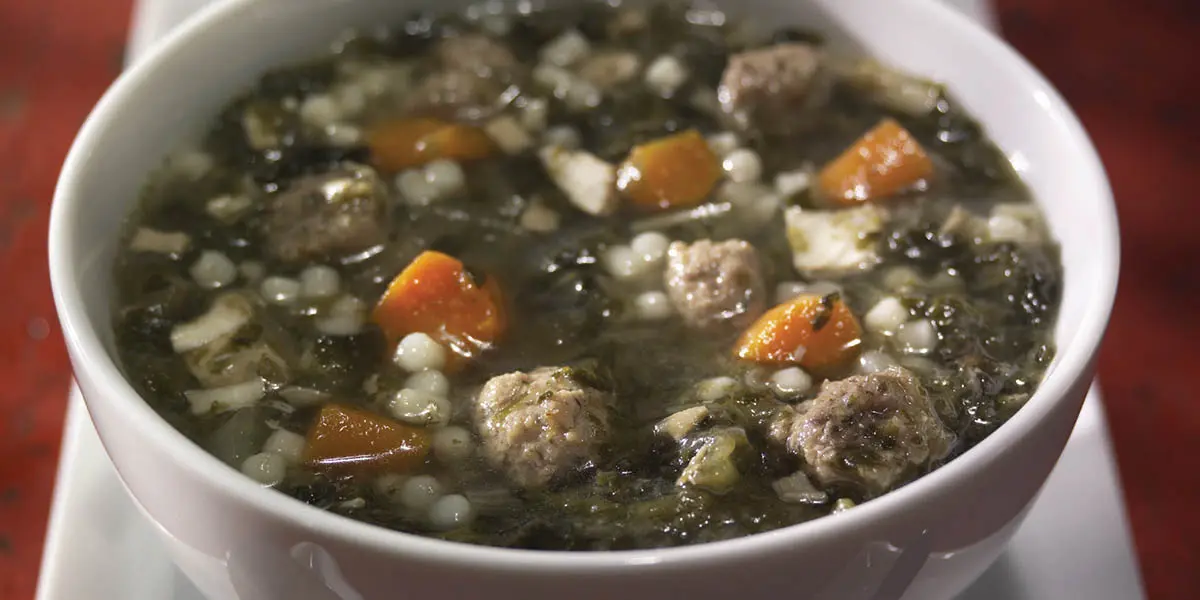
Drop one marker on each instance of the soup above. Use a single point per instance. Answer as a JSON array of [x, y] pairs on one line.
[[590, 278]]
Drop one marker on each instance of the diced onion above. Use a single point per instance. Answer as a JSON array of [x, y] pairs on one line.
[[665, 74], [172, 243], [230, 397], [266, 468], [918, 336], [791, 381], [288, 444], [227, 314], [886, 316], [797, 489]]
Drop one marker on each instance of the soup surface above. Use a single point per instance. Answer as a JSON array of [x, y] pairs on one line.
[[587, 279]]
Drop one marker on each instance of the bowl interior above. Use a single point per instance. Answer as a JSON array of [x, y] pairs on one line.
[[183, 85]]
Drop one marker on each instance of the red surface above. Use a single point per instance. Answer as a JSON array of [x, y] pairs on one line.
[[1124, 66]]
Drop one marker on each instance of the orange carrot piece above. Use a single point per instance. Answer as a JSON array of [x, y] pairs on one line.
[[406, 143], [816, 332], [435, 295], [677, 171], [883, 162], [352, 440]]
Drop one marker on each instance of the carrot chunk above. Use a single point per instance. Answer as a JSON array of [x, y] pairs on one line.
[[677, 171], [406, 143], [435, 295], [883, 162], [346, 439], [816, 332]]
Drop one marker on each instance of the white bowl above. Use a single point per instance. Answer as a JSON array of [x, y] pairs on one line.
[[237, 540]]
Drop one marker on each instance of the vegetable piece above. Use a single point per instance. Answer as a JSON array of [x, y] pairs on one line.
[[677, 171], [435, 295], [834, 243], [585, 179], [883, 162], [361, 442], [818, 333], [713, 467], [406, 143]]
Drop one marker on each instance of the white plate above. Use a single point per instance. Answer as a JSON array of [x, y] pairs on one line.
[[1075, 542]]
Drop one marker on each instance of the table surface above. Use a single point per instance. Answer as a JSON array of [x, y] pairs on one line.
[[1122, 65]]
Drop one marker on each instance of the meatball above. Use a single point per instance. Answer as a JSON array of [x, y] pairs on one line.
[[540, 425], [469, 79], [769, 85], [873, 431], [327, 216], [714, 283]]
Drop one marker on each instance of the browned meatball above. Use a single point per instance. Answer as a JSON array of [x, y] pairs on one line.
[[327, 216], [873, 431], [770, 85], [540, 425], [468, 81], [715, 283]]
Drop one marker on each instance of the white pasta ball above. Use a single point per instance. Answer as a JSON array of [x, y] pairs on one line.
[[791, 381], [429, 381], [418, 351], [653, 306], [288, 444], [665, 74], [450, 512], [252, 270], [650, 247], [539, 218], [420, 492], [743, 165], [419, 408], [722, 143], [319, 281], [415, 188], [390, 485], [266, 468], [452, 444], [279, 290], [213, 270], [445, 177], [621, 262], [886, 316]]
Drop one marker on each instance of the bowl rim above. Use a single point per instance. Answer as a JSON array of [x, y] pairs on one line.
[[81, 336]]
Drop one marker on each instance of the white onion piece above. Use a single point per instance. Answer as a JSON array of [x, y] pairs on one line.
[[227, 314], [230, 397]]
